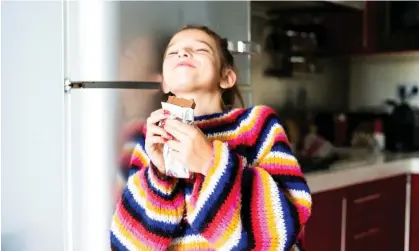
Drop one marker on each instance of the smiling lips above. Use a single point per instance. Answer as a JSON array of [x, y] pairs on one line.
[[184, 63]]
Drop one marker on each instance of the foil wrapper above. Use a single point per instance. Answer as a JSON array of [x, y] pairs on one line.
[[173, 167]]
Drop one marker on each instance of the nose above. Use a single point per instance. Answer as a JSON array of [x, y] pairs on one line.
[[183, 53]]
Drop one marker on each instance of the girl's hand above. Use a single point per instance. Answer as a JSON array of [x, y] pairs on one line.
[[190, 146], [155, 138]]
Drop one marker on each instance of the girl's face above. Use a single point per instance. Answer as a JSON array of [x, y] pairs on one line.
[[191, 64]]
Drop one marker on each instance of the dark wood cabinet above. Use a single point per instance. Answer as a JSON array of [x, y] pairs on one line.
[[368, 216], [414, 213], [375, 217], [383, 30], [323, 231]]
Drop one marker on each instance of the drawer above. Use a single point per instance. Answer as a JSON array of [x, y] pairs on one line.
[[375, 215]]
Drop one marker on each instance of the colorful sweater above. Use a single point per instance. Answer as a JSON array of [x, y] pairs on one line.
[[254, 196]]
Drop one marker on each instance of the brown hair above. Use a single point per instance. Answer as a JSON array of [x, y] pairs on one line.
[[228, 96]]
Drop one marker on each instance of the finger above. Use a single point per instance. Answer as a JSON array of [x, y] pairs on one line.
[[175, 145], [173, 131], [160, 112], [180, 126], [155, 140], [153, 130], [154, 119]]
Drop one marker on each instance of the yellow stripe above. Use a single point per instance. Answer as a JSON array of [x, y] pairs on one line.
[[229, 230], [303, 202], [195, 245], [142, 157], [128, 236], [168, 212], [269, 213], [242, 129], [218, 147], [277, 160]]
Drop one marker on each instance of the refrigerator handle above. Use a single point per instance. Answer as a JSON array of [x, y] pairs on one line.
[[142, 85], [244, 47]]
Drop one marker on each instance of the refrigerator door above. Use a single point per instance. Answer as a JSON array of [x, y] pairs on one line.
[[116, 44]]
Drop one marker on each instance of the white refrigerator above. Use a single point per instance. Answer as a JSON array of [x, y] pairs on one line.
[[59, 145]]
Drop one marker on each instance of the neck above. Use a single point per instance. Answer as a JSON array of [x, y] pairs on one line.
[[207, 103]]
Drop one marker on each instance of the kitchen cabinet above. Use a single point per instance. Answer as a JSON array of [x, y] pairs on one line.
[[376, 215], [323, 231], [414, 213], [367, 216], [383, 30]]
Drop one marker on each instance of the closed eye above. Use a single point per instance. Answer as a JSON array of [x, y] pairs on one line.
[[203, 50]]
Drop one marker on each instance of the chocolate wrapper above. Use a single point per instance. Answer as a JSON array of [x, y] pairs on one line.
[[173, 167]]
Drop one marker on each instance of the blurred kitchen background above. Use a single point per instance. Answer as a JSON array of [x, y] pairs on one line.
[[343, 77]]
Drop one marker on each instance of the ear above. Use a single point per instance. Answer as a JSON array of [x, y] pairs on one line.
[[229, 79]]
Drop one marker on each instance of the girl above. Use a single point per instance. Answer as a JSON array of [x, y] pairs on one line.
[[248, 192]]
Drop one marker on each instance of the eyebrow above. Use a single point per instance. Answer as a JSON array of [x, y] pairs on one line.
[[200, 41]]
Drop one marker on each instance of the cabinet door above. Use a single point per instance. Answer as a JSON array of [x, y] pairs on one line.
[[376, 215], [414, 211], [323, 230]]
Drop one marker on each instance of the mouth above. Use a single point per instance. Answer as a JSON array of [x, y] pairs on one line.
[[185, 64]]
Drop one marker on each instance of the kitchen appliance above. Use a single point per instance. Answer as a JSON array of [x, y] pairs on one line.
[[403, 133], [61, 107]]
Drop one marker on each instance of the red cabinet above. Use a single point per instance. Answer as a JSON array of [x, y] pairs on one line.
[[323, 231], [375, 217], [368, 216], [414, 214]]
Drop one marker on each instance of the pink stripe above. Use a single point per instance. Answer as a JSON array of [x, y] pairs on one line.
[[260, 206], [164, 183], [157, 201], [133, 227], [282, 169], [226, 219]]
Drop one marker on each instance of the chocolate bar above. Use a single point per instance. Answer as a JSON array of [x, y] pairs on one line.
[[186, 103], [182, 110]]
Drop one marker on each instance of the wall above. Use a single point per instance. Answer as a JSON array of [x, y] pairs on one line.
[[327, 91], [31, 113], [375, 78]]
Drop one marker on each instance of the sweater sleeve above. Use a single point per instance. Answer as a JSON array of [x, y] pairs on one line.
[[150, 208], [257, 205]]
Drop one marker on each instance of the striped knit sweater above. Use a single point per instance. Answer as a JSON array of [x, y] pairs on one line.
[[254, 196]]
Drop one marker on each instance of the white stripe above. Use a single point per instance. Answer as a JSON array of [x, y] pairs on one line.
[[282, 155], [267, 143], [278, 214], [245, 122], [205, 194], [150, 213], [188, 239], [300, 194], [233, 241], [154, 184]]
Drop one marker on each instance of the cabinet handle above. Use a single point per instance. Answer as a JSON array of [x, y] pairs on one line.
[[370, 232], [367, 198]]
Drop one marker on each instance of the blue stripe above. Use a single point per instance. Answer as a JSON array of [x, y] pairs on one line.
[[288, 220], [141, 216], [219, 189], [116, 245]]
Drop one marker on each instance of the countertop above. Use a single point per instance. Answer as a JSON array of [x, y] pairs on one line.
[[362, 170]]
